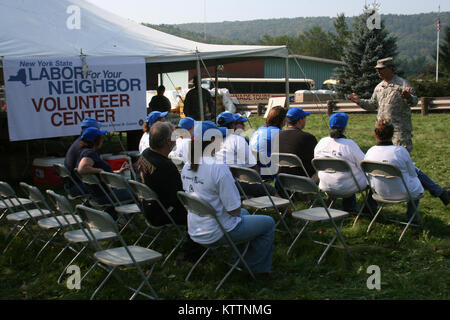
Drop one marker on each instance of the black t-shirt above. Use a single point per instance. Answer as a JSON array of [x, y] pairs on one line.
[[161, 175], [191, 108], [296, 141], [159, 103], [99, 163]]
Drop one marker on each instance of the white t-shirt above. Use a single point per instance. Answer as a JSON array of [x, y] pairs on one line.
[[400, 157], [235, 151], [213, 183], [347, 150], [145, 142], [181, 149]]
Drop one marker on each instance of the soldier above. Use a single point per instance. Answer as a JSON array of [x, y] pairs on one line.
[[394, 98]]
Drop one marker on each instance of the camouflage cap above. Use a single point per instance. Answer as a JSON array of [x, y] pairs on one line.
[[386, 62]]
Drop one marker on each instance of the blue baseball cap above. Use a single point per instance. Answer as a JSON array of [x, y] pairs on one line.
[[90, 122], [201, 128], [239, 118], [225, 118], [296, 113], [338, 120], [186, 123], [154, 116], [90, 133]]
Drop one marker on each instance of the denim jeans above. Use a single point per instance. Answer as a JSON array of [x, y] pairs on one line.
[[428, 184], [261, 229]]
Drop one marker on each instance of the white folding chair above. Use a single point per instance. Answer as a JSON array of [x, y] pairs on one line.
[[64, 173], [56, 223], [124, 256], [332, 165], [250, 176], [144, 193], [201, 208], [293, 183], [22, 216], [79, 236], [288, 161], [11, 205], [391, 174]]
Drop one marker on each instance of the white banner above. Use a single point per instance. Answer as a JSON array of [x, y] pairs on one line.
[[49, 97]]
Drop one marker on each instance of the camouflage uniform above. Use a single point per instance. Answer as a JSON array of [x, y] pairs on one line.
[[391, 106]]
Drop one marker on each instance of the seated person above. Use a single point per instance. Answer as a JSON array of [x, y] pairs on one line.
[[339, 147], [72, 156], [416, 180], [235, 151], [213, 182], [181, 149], [265, 139], [90, 162], [160, 102], [153, 117]]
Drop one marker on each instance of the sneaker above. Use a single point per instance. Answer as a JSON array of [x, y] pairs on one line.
[[445, 197]]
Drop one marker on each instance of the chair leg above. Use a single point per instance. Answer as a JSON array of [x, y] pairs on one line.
[[298, 236], [146, 282], [70, 263], [45, 245], [154, 239], [327, 248], [281, 219], [103, 282], [196, 263], [375, 217], [173, 250], [407, 225]]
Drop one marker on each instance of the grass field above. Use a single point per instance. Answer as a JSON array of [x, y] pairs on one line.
[[417, 268]]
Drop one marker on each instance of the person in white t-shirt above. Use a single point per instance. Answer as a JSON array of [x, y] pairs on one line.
[[181, 150], [416, 180], [203, 177], [337, 146], [152, 117]]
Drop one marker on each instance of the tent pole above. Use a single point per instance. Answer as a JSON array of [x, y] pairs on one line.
[[286, 72], [199, 86], [216, 89]]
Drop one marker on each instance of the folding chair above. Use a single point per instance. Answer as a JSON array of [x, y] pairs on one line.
[[64, 173], [331, 165], [21, 214], [250, 176], [77, 237], [201, 208], [55, 223], [144, 193], [391, 173], [289, 160], [306, 185], [115, 258]]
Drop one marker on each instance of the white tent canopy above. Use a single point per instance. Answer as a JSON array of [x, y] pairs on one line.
[[39, 28]]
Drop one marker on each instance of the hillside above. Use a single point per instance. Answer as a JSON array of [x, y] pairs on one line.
[[416, 34]]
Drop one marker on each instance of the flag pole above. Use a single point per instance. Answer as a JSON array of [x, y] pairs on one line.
[[437, 45]]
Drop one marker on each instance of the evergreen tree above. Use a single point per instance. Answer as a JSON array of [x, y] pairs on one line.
[[361, 54], [444, 54], [341, 38]]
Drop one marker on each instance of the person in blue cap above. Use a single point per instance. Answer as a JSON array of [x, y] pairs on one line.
[[213, 182], [338, 146], [90, 162], [72, 156], [151, 119], [181, 149], [299, 142]]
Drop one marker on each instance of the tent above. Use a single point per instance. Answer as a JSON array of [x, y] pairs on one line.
[[46, 28]]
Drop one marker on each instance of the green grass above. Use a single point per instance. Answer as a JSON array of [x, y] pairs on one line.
[[417, 268]]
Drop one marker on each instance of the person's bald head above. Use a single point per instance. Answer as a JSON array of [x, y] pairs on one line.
[[160, 135]]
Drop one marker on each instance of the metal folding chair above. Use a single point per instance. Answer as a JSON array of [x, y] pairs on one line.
[[56, 223], [290, 161], [11, 205], [144, 193], [78, 237], [332, 165], [250, 176], [201, 208], [64, 173], [23, 215], [390, 173], [124, 256], [306, 185]]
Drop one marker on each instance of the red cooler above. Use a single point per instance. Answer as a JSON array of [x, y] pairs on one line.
[[116, 161], [43, 172]]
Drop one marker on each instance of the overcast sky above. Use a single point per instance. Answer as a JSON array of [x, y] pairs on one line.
[[183, 11]]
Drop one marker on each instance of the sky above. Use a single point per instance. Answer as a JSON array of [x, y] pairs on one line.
[[184, 11]]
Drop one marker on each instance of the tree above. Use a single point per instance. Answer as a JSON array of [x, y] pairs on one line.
[[444, 54], [342, 36], [361, 54]]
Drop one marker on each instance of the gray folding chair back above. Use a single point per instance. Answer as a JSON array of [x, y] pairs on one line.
[[124, 256], [245, 175], [92, 180], [115, 181], [289, 160], [202, 208], [306, 185], [392, 173], [63, 172], [9, 202]]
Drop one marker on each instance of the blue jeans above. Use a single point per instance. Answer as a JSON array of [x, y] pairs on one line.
[[428, 184], [261, 229]]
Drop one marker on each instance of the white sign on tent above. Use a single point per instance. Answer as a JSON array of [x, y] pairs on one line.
[[49, 97]]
